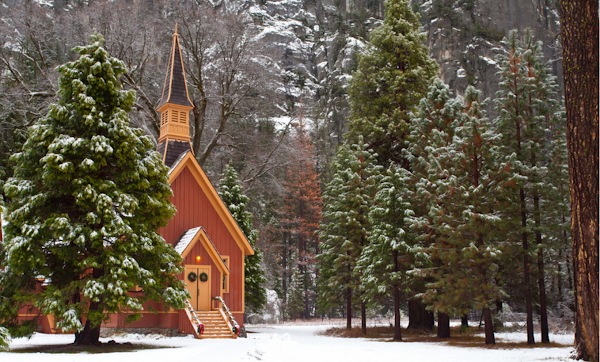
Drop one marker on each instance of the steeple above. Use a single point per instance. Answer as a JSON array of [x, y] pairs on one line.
[[174, 108]]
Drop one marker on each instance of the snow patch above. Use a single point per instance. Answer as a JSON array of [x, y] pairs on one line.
[[186, 239], [489, 61]]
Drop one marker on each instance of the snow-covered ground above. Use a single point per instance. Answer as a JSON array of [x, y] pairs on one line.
[[290, 343]]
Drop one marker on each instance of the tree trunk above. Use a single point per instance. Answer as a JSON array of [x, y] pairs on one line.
[[349, 308], [443, 325], [489, 326], [542, 290], [363, 317], [464, 320], [528, 307], [418, 316], [397, 329], [558, 276], [90, 334], [540, 265], [579, 31], [285, 267]]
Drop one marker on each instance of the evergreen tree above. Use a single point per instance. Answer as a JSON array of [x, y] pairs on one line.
[[393, 75], [528, 116], [431, 124], [347, 201], [464, 182], [87, 198], [301, 215], [233, 196], [4, 339], [391, 252]]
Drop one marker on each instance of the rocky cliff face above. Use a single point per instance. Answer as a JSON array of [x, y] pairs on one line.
[[464, 37], [316, 43]]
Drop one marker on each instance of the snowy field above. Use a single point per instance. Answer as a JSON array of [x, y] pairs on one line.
[[290, 343]]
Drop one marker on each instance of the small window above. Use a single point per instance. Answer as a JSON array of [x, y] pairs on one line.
[[226, 277], [175, 116]]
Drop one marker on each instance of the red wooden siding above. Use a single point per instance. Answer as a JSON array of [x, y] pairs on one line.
[[184, 323], [193, 210]]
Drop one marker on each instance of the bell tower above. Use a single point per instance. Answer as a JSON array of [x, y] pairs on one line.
[[174, 108]]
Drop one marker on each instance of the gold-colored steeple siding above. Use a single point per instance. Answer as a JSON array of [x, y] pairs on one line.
[[175, 104]]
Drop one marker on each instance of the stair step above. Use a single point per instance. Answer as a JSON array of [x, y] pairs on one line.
[[214, 325]]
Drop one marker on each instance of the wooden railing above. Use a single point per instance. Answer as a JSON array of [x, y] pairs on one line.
[[198, 326], [235, 327]]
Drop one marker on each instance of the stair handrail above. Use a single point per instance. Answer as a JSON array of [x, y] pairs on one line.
[[198, 324], [236, 327]]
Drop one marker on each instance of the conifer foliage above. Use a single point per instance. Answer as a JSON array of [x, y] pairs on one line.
[[233, 196], [86, 201], [467, 180], [391, 253], [392, 76], [348, 198], [531, 121]]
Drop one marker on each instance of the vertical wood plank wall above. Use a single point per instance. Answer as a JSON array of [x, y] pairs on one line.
[[193, 210]]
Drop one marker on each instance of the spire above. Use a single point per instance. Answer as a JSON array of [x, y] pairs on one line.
[[174, 108], [175, 88]]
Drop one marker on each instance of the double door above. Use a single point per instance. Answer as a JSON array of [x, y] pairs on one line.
[[199, 289]]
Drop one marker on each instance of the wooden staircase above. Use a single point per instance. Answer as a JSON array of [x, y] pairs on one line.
[[215, 325]]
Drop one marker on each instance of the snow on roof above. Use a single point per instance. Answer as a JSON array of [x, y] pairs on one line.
[[186, 239], [177, 161]]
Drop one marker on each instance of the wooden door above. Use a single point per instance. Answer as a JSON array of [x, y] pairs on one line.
[[199, 290]]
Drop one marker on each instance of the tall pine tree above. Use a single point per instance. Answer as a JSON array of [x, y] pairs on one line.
[[232, 194], [391, 252], [529, 114], [347, 201], [392, 76], [431, 124], [87, 198], [470, 178]]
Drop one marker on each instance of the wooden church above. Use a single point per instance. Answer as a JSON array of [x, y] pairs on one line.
[[202, 231]]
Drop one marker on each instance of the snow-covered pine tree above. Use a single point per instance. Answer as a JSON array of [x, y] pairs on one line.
[[432, 123], [347, 200], [4, 339], [470, 178], [556, 212], [528, 115], [392, 251], [233, 196], [87, 198], [392, 76]]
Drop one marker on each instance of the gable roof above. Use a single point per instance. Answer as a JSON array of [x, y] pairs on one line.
[[186, 159], [190, 237], [175, 87]]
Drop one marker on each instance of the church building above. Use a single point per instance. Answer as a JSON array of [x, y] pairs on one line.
[[202, 231]]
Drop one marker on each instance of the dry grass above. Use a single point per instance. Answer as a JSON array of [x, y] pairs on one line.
[[459, 337]]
